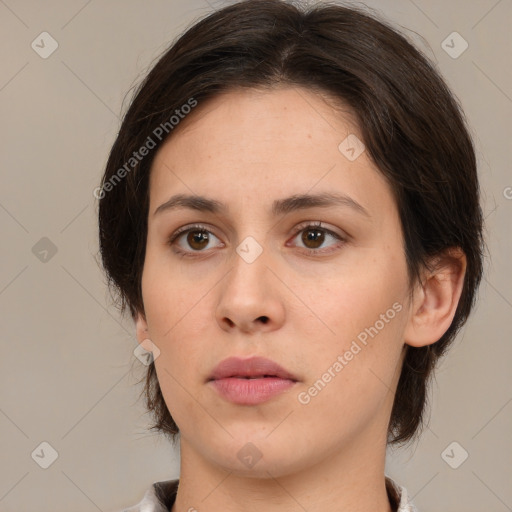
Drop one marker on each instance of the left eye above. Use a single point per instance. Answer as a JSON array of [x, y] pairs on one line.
[[313, 236]]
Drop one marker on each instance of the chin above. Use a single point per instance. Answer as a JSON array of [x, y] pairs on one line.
[[258, 456]]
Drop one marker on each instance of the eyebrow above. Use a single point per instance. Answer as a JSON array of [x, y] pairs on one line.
[[279, 206]]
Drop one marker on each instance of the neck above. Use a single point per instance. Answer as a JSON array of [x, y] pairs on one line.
[[352, 479]]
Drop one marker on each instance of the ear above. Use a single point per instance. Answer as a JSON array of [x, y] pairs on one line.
[[141, 327], [435, 300]]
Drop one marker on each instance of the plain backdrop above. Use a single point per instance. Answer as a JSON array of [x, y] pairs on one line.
[[68, 372]]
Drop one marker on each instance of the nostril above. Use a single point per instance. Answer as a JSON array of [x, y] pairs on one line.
[[264, 319], [229, 322]]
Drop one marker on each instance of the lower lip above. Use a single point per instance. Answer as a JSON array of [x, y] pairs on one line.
[[251, 391]]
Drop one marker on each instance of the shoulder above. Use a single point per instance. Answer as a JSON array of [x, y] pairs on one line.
[[159, 497], [399, 496]]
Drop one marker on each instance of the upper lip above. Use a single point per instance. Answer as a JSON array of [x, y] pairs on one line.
[[251, 367]]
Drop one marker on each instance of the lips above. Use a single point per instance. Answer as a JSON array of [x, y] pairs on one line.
[[252, 368], [250, 382]]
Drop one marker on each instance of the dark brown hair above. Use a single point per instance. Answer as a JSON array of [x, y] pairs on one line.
[[412, 126]]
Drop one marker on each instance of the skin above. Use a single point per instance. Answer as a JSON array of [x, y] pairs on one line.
[[246, 149]]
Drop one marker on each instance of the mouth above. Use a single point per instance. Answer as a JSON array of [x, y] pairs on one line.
[[251, 368], [250, 381], [254, 377]]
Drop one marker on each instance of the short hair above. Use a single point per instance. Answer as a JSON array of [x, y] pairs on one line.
[[411, 124]]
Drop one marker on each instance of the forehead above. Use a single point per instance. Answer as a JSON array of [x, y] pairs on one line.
[[255, 146]]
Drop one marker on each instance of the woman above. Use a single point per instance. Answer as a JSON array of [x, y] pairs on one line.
[[291, 214]]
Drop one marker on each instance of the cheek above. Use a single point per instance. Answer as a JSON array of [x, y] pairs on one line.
[[350, 380], [364, 311], [180, 316], [175, 319], [171, 294], [352, 299]]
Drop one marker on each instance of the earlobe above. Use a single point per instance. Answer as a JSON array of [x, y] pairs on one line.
[[141, 327], [143, 338], [435, 301]]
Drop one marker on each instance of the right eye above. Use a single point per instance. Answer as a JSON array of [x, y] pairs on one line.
[[197, 238]]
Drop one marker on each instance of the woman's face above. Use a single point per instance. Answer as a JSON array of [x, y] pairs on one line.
[[260, 277]]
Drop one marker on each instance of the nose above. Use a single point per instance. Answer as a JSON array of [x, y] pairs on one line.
[[251, 297]]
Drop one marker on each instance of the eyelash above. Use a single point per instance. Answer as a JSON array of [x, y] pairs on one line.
[[303, 227]]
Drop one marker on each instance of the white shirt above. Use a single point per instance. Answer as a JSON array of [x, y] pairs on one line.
[[161, 496]]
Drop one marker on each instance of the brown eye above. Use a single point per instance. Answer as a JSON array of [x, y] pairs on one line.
[[194, 239], [313, 238], [197, 240]]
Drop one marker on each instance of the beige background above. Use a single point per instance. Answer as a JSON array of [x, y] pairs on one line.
[[68, 373]]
